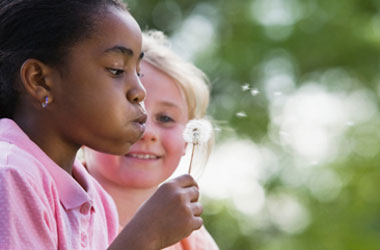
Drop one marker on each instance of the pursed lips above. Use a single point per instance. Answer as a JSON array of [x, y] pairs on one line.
[[139, 123], [141, 119]]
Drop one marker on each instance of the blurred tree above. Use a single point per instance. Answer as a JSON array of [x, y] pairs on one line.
[[333, 43]]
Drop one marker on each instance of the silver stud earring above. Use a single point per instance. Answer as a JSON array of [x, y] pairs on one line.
[[45, 103]]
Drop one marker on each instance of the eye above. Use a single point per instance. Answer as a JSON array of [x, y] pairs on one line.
[[115, 72], [165, 119]]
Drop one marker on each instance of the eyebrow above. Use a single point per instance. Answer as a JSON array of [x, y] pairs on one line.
[[123, 50], [169, 104]]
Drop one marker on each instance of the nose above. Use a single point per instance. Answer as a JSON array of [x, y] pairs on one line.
[[136, 93], [150, 134]]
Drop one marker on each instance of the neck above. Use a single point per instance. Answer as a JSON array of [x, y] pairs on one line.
[[60, 151], [127, 199]]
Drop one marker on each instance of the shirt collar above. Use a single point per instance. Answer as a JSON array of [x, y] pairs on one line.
[[71, 193]]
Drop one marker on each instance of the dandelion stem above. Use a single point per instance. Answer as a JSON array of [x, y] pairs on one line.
[[191, 158]]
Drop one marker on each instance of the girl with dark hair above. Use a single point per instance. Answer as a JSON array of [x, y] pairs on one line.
[[67, 79]]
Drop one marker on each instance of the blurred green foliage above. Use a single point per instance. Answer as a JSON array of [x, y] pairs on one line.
[[316, 37]]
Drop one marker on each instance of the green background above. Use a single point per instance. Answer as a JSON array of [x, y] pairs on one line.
[[331, 45]]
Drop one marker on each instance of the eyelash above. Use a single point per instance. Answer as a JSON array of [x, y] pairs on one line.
[[159, 118], [115, 72]]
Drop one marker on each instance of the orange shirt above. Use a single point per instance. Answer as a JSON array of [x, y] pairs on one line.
[[198, 240]]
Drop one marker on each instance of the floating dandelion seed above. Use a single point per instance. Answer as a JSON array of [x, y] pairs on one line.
[[245, 87], [284, 133], [255, 92], [197, 131], [350, 123], [241, 114], [314, 163], [277, 93]]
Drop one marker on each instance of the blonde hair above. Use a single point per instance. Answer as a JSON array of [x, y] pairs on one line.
[[193, 82]]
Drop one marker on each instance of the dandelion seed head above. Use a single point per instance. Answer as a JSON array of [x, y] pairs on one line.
[[197, 131]]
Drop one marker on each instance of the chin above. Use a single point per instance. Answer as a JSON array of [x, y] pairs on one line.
[[146, 184], [121, 150], [142, 179]]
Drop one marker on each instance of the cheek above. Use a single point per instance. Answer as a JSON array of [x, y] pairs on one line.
[[100, 163], [175, 146]]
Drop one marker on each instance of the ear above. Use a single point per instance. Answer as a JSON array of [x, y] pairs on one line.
[[33, 75]]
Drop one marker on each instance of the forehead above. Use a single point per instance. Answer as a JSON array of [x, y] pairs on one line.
[[161, 88], [114, 28]]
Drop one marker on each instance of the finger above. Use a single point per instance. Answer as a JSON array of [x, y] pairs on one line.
[[197, 223], [193, 193], [185, 180], [197, 208]]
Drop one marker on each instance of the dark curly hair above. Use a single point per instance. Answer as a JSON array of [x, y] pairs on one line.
[[44, 30]]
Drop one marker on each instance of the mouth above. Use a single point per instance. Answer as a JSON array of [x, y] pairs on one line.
[[141, 119], [140, 122], [143, 156]]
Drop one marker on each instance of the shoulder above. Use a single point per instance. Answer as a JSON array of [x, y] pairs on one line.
[[24, 199], [19, 168], [20, 162], [26, 210], [22, 175], [23, 187]]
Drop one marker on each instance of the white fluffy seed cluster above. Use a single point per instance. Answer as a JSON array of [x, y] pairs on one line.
[[197, 131]]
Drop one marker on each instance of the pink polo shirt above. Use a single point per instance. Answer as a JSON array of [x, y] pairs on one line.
[[42, 206]]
